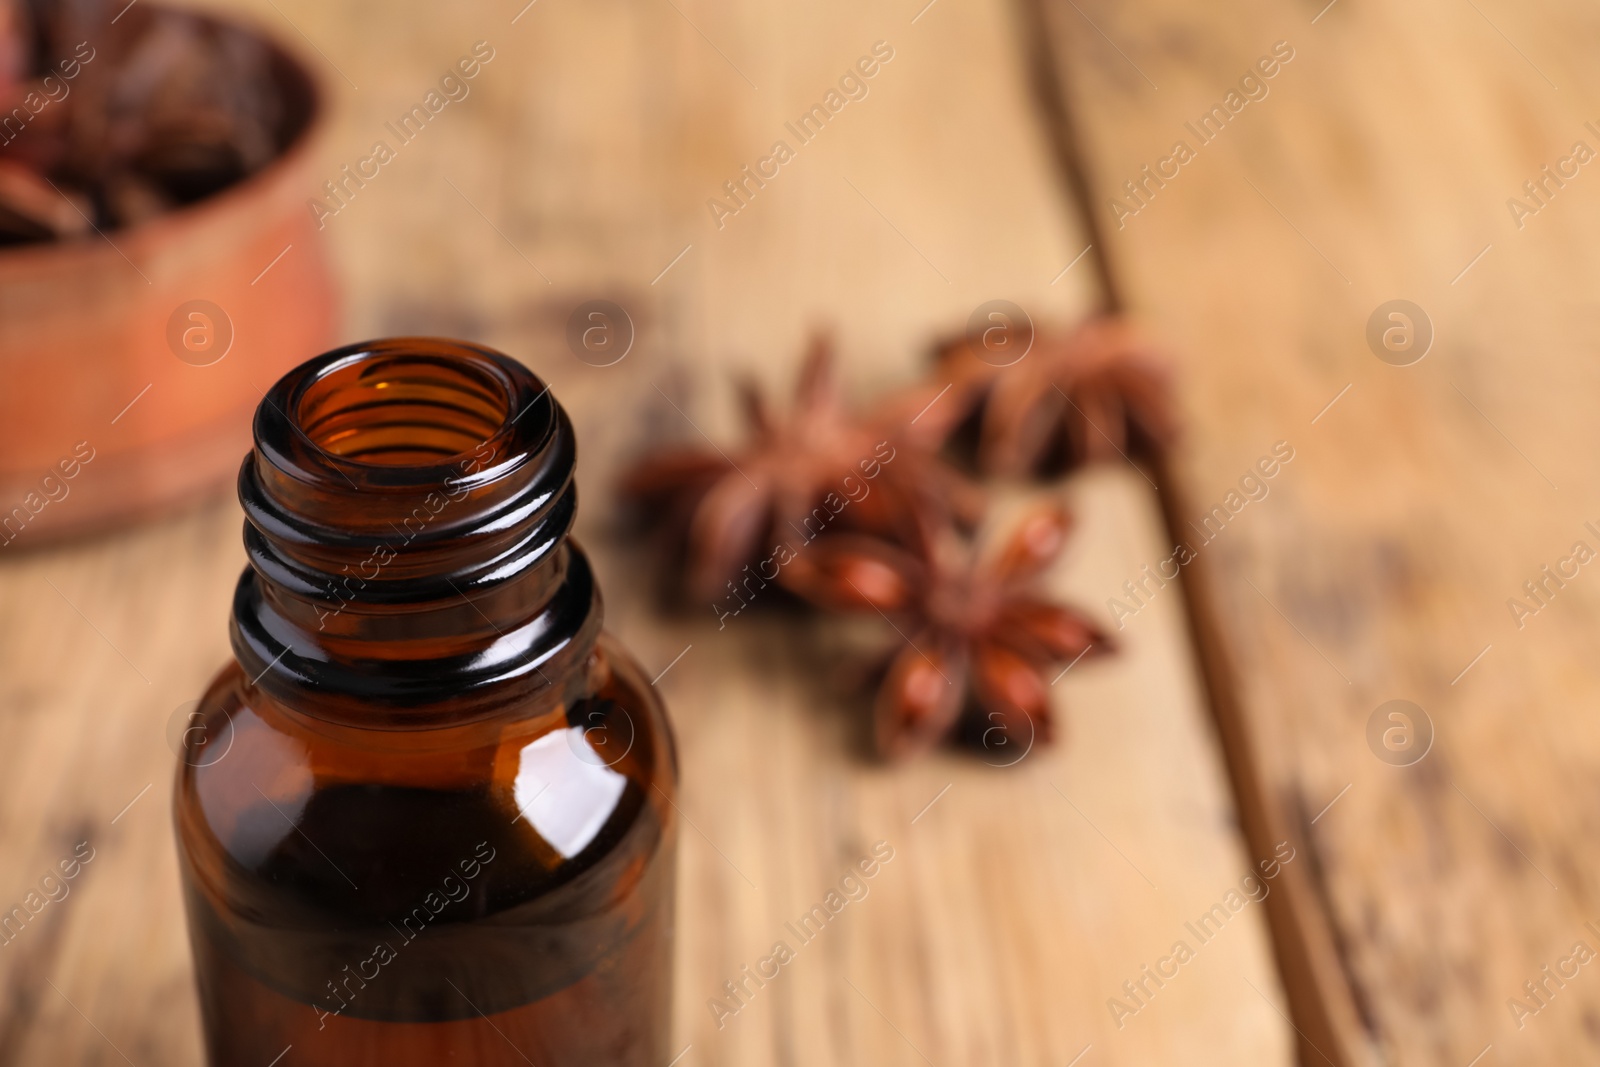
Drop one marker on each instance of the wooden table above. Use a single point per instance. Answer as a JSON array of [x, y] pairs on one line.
[[1380, 168], [1020, 899]]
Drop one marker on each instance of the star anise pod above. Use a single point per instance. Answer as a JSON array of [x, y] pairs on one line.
[[816, 467], [1099, 392], [979, 637]]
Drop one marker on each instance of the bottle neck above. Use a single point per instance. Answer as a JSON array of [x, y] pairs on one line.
[[407, 507]]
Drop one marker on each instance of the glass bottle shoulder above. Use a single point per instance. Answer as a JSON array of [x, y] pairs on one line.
[[272, 803]]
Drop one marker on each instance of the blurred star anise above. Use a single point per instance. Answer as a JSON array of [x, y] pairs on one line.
[[979, 637], [1099, 392], [815, 467]]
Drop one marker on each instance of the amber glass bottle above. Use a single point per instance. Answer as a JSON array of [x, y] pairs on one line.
[[427, 817]]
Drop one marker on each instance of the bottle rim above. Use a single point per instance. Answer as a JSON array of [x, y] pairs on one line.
[[400, 490], [470, 383]]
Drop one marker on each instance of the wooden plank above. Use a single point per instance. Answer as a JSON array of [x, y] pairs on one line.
[[1421, 497], [1322, 1007], [1018, 900]]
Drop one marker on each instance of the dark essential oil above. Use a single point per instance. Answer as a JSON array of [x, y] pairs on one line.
[[426, 817]]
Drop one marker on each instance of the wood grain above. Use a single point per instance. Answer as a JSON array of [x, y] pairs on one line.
[[1019, 899], [1422, 497]]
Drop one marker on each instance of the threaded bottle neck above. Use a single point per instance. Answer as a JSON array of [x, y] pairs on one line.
[[407, 506]]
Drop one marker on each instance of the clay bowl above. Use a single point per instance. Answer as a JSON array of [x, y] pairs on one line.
[[130, 364]]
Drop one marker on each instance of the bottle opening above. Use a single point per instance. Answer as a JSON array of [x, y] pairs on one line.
[[407, 506], [403, 410]]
